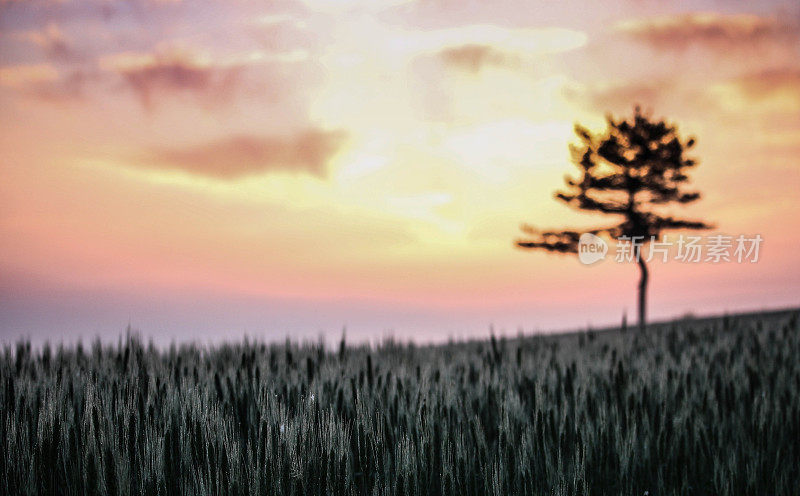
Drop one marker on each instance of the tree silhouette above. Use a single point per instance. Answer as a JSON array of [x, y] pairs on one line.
[[632, 170]]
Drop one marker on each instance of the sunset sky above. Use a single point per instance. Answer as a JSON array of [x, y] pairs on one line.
[[204, 169]]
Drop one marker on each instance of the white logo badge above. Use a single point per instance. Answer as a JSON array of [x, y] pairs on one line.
[[591, 249]]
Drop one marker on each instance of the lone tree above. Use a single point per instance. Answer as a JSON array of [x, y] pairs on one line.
[[631, 171]]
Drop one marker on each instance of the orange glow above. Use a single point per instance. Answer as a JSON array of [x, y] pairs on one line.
[[343, 154]]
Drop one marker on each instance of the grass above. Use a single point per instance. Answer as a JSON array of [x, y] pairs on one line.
[[692, 407]]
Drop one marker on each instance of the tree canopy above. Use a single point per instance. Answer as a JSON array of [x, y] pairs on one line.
[[632, 170]]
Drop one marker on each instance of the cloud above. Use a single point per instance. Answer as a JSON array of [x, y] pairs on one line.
[[19, 76], [55, 45], [169, 70], [45, 82], [70, 86], [622, 96], [773, 94], [713, 30], [769, 82], [37, 12], [478, 46], [64, 73], [523, 41], [279, 19], [339, 6], [174, 70], [474, 57], [307, 152]]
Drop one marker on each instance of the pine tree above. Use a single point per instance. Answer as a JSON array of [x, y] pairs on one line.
[[631, 171]]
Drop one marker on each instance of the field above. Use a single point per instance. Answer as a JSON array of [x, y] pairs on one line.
[[694, 407]]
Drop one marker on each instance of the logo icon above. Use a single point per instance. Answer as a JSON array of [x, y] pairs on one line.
[[591, 249]]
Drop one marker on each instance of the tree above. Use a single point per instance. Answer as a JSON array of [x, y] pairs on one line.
[[632, 171]]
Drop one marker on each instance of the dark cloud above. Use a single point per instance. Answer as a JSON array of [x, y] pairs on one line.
[[176, 71], [239, 156], [718, 31], [474, 57]]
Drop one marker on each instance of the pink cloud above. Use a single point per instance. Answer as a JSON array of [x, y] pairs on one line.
[[759, 84], [474, 57], [52, 41], [46, 82], [713, 30], [624, 95], [175, 71], [238, 156]]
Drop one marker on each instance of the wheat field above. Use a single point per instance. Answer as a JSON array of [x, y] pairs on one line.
[[692, 407]]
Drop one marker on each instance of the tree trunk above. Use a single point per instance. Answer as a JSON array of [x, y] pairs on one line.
[[643, 276]]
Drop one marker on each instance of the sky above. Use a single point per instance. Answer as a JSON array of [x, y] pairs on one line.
[[204, 170]]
